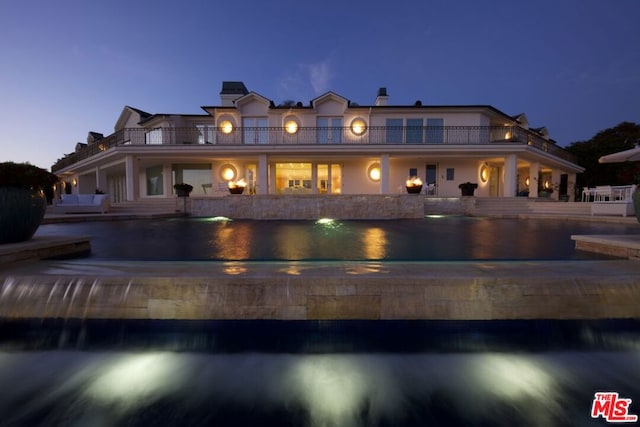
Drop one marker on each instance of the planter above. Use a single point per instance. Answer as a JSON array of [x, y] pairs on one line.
[[21, 212], [545, 194], [414, 189], [236, 190], [182, 193], [636, 201], [467, 191]]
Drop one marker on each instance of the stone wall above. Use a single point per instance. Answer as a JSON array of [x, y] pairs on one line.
[[275, 207]]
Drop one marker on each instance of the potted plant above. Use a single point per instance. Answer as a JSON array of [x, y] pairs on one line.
[[468, 188], [545, 192], [22, 200], [183, 189]]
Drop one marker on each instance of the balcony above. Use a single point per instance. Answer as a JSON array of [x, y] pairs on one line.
[[383, 135]]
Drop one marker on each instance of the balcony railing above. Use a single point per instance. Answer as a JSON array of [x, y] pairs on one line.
[[385, 135]]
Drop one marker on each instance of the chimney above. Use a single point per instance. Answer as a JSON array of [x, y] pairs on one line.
[[382, 98], [232, 91]]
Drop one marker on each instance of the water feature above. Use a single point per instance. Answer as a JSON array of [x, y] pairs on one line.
[[67, 370], [528, 373]]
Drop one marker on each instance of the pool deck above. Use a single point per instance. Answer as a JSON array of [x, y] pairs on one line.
[[31, 287]]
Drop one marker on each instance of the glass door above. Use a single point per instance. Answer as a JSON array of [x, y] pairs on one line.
[[329, 179]]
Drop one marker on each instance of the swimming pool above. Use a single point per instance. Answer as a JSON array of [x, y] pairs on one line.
[[75, 371], [428, 239]]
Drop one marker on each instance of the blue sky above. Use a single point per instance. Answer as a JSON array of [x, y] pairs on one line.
[[69, 67]]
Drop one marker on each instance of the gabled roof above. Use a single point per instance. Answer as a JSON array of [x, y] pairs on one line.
[[252, 95], [327, 96], [127, 111]]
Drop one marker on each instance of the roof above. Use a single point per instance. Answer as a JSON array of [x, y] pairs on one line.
[[234, 88]]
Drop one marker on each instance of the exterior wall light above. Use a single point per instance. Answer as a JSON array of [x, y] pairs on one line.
[[226, 127], [227, 172], [373, 172], [484, 173], [358, 127], [291, 126], [526, 181], [75, 182]]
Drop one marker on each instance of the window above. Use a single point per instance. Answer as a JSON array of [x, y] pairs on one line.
[[414, 131], [153, 136], [435, 131], [197, 175], [255, 130], [394, 131], [399, 132], [155, 182], [450, 174], [206, 134], [329, 130]]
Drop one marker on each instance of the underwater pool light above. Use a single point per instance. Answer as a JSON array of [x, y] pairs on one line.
[[325, 221], [219, 219]]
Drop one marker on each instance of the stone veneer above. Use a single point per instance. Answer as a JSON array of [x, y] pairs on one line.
[[275, 207], [478, 290]]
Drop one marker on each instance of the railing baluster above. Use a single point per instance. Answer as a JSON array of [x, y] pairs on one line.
[[382, 135]]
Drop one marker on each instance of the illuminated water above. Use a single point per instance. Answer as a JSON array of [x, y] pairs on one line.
[[445, 238], [73, 372], [522, 373]]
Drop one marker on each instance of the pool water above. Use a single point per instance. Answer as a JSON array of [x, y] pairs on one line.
[[428, 239], [357, 373]]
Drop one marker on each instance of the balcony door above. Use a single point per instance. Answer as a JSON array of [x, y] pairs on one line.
[[255, 130], [329, 130]]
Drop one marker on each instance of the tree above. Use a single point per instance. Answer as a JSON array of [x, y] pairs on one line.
[[622, 137]]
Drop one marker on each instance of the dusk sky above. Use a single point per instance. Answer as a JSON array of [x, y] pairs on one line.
[[69, 67]]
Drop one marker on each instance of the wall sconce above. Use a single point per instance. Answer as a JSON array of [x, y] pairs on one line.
[[484, 173], [55, 187], [373, 172], [291, 126], [526, 181], [358, 127], [75, 182], [546, 184], [227, 172], [226, 127]]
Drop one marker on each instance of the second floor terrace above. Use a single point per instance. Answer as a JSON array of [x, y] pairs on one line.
[[226, 135]]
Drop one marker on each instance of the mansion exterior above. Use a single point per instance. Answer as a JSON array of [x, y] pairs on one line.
[[326, 147]]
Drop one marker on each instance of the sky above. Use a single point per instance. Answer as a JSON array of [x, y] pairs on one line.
[[70, 66]]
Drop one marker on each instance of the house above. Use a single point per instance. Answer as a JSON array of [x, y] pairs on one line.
[[327, 146]]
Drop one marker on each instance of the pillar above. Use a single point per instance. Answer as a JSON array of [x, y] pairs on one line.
[[510, 175], [263, 175], [385, 172], [534, 171]]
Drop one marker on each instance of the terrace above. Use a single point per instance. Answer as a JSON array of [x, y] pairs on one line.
[[212, 136]]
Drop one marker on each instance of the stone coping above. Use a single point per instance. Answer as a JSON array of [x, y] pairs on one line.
[[475, 290]]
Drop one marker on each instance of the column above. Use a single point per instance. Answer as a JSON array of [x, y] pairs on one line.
[[131, 177], [384, 174], [263, 175], [555, 183], [510, 175], [167, 181], [101, 180], [314, 178], [534, 171]]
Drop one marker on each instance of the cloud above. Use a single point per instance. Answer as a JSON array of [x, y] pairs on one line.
[[316, 76], [320, 76]]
